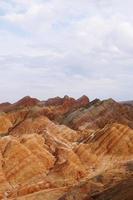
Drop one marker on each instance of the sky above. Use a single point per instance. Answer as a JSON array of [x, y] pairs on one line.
[[56, 47]]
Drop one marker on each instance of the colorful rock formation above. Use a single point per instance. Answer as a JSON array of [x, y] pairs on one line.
[[66, 149]]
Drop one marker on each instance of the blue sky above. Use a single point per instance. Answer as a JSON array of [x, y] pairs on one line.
[[56, 47]]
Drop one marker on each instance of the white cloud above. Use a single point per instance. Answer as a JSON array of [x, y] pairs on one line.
[[58, 47]]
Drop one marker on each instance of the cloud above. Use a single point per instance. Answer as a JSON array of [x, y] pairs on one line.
[[58, 47]]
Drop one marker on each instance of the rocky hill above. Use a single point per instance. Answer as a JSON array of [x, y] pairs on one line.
[[66, 149]]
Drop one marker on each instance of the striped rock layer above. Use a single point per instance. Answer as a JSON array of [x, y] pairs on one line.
[[65, 149]]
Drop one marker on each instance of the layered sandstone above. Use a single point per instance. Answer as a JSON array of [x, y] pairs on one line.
[[64, 149], [98, 114]]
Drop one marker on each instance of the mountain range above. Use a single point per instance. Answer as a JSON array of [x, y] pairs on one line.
[[66, 149]]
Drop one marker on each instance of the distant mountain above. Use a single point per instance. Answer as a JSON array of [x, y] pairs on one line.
[[127, 102]]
